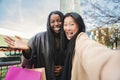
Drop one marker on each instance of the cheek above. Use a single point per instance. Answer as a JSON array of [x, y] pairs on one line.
[[64, 28], [60, 24], [51, 25], [76, 28]]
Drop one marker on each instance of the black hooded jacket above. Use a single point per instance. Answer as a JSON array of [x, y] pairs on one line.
[[40, 53], [43, 51]]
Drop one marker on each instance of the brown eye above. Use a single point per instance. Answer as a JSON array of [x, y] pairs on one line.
[[59, 21], [72, 24]]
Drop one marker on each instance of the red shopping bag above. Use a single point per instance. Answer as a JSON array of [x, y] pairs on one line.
[[19, 73]]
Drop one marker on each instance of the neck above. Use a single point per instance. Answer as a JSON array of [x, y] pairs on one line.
[[57, 35]]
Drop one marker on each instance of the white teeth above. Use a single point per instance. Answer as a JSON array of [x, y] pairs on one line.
[[57, 28], [69, 34]]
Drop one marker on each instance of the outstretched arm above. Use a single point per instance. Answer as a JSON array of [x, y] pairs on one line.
[[16, 43], [111, 70]]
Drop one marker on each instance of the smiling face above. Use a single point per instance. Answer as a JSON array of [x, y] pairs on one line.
[[70, 27], [55, 23]]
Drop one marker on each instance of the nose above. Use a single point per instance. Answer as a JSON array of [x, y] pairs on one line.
[[56, 22], [67, 28]]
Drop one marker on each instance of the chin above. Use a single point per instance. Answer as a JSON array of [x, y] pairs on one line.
[[68, 38], [57, 32]]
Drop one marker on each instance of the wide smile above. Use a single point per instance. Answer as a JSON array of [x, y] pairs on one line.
[[57, 28], [69, 35]]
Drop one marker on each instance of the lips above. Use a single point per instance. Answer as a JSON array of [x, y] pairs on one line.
[[69, 35], [56, 29]]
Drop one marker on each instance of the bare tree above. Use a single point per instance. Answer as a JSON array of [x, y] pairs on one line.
[[101, 12]]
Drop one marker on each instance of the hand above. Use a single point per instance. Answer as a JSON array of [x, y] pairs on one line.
[[57, 70], [16, 43]]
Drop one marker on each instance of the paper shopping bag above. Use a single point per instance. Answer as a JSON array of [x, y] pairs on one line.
[[43, 72], [19, 73]]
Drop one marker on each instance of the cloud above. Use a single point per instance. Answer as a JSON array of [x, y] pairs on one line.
[[27, 16]]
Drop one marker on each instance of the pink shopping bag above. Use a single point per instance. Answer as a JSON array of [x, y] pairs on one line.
[[19, 73]]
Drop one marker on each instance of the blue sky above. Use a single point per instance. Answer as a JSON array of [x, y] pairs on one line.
[[30, 16], [27, 16]]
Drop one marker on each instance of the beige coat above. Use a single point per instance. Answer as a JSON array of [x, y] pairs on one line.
[[90, 58]]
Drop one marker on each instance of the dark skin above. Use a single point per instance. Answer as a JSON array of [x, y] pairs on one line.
[[55, 24], [19, 43]]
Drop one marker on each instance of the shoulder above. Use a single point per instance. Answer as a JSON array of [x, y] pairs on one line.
[[82, 36], [38, 36], [41, 34]]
